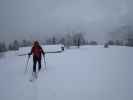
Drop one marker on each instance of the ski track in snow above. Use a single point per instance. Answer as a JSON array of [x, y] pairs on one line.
[[88, 73]]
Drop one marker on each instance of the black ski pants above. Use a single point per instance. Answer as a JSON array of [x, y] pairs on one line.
[[35, 61]]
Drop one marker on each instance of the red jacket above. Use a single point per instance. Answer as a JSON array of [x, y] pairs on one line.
[[37, 51]]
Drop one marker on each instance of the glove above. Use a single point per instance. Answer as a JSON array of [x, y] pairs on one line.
[[43, 54], [29, 54]]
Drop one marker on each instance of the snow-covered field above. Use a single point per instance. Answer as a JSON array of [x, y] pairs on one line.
[[88, 73]]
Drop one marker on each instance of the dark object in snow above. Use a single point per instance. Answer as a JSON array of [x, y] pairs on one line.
[[62, 48], [106, 45]]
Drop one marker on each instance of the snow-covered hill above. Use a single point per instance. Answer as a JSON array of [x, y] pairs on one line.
[[88, 73]]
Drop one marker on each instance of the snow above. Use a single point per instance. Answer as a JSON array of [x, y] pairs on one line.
[[87, 73], [49, 48]]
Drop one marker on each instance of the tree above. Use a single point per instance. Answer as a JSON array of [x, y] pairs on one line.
[[118, 42], [49, 41], [54, 41], [26, 43], [3, 47], [14, 46], [62, 41], [68, 40], [129, 42], [129, 39], [78, 39], [111, 42], [10, 47]]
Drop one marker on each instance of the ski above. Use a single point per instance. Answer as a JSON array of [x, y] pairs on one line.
[[34, 77]]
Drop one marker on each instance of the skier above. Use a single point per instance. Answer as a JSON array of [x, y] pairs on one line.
[[37, 52]]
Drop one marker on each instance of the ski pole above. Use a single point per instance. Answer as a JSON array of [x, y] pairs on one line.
[[44, 62], [22, 54], [26, 66]]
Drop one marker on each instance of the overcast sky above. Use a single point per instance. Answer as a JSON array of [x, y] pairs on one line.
[[31, 18]]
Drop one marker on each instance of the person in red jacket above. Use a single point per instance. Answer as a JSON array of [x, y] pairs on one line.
[[37, 52]]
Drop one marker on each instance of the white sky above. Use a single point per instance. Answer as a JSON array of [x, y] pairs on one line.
[[31, 18]]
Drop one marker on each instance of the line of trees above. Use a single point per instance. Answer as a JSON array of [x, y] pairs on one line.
[[128, 42], [14, 45], [122, 36], [67, 40]]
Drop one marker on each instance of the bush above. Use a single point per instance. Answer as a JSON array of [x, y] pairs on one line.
[[93, 43]]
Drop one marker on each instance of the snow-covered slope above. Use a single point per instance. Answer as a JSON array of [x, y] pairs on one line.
[[88, 73]]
